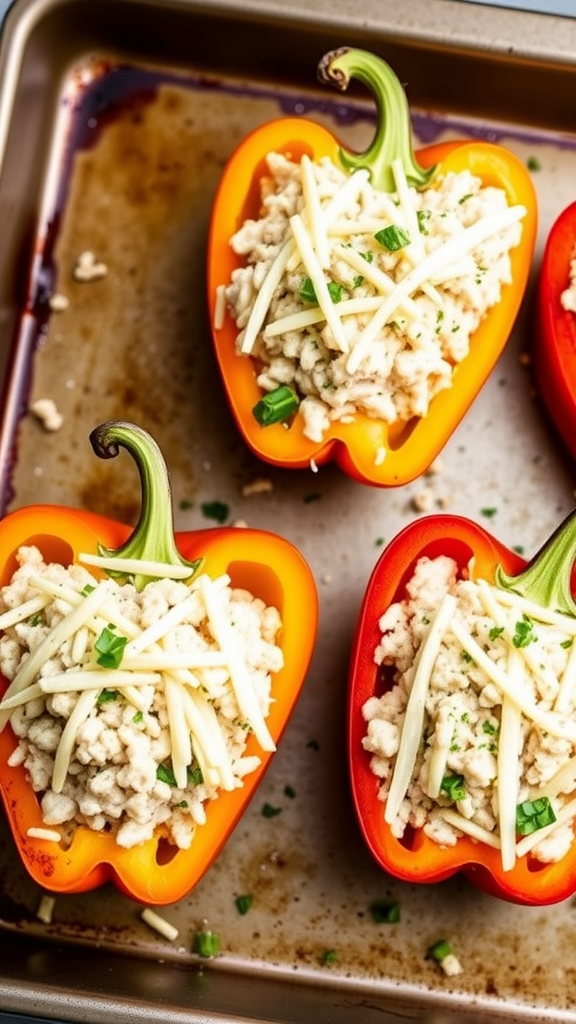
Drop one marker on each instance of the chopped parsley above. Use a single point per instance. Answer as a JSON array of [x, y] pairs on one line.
[[110, 647]]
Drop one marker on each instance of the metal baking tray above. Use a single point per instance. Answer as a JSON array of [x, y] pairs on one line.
[[116, 118]]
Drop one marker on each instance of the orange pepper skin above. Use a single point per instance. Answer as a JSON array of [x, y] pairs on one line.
[[154, 872], [416, 858], [555, 341], [357, 447]]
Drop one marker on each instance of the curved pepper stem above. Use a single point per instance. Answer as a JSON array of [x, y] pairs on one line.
[[547, 580], [393, 138], [153, 537]]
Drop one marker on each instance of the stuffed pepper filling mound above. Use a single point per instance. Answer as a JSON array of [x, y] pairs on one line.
[[365, 301], [474, 732], [132, 709]]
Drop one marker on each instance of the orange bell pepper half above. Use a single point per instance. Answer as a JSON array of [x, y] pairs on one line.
[[548, 580], [367, 449], [266, 565], [555, 341]]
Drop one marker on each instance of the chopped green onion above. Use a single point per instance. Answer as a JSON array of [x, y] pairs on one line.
[[269, 811], [307, 292], [194, 775], [453, 786], [439, 951], [276, 406], [138, 717], [106, 696], [217, 510], [385, 911], [243, 903], [532, 815], [495, 632], [328, 956], [207, 943], [110, 648], [290, 792], [393, 237], [165, 774]]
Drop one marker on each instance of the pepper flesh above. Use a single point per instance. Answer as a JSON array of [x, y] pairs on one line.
[[416, 857], [555, 340], [368, 450], [261, 562]]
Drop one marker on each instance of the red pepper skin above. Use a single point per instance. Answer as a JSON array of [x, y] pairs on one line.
[[555, 341], [154, 872], [417, 858], [356, 447]]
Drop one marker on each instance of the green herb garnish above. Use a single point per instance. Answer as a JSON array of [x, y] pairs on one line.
[[217, 510], [269, 811], [105, 696], [110, 647], [439, 951], [453, 786], [393, 238], [243, 903], [207, 943], [532, 815], [385, 911], [276, 406], [523, 633]]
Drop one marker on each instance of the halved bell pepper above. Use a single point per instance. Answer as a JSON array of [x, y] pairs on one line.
[[367, 449], [266, 565], [555, 339], [548, 579]]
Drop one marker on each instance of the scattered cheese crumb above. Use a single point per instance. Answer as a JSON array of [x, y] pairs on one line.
[[422, 502], [50, 834], [435, 467], [45, 410], [58, 303], [159, 924], [240, 524], [45, 910], [326, 578], [258, 486], [88, 269]]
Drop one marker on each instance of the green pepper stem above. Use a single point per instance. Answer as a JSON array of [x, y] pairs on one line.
[[153, 537], [547, 580], [393, 138]]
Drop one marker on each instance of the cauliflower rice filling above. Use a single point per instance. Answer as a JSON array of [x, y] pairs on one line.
[[336, 345], [497, 727], [103, 747]]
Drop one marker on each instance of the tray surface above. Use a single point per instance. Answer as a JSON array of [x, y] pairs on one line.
[[134, 159]]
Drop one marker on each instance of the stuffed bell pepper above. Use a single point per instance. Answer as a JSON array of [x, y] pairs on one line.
[[462, 711], [359, 301], [555, 341], [146, 680]]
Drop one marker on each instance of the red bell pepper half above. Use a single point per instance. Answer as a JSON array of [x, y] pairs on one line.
[[546, 580], [555, 342]]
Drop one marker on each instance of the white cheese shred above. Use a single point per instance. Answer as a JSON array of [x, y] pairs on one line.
[[159, 924], [414, 718]]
